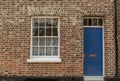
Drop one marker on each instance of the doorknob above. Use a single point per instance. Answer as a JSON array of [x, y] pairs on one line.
[[92, 55]]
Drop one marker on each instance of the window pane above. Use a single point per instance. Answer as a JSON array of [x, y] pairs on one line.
[[42, 41], [55, 22], [48, 41], [94, 22], [35, 31], [35, 22], [55, 51], [85, 22], [42, 23], [35, 51], [48, 51], [55, 41], [89, 22], [35, 41], [41, 51], [48, 22], [41, 31], [55, 32], [100, 22], [48, 32]]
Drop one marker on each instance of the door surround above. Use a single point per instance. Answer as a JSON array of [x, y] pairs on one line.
[[103, 57]]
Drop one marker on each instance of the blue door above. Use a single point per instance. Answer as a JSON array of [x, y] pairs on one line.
[[93, 50]]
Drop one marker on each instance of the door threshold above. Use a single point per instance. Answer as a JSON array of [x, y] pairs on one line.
[[96, 78]]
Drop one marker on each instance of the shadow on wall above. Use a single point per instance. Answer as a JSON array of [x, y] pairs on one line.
[[40, 80], [50, 79], [54, 79]]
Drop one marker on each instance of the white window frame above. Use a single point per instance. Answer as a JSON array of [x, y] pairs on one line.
[[98, 26], [44, 58]]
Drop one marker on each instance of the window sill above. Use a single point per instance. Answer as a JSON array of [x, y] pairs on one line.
[[44, 60]]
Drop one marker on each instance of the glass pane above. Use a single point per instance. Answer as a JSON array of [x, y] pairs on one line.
[[41, 31], [55, 41], [48, 22], [35, 41], [41, 41], [35, 22], [55, 32], [89, 22], [100, 22], [48, 32], [48, 41], [94, 22], [48, 51], [55, 51], [41, 51], [35, 31], [42, 23], [85, 22], [35, 51], [55, 22]]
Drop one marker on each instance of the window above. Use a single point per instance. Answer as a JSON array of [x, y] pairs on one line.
[[45, 39], [93, 21]]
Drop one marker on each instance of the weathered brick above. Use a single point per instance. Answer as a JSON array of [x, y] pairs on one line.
[[15, 26]]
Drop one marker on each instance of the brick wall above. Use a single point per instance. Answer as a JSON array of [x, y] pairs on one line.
[[15, 26]]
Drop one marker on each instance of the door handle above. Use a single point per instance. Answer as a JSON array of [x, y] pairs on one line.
[[92, 55]]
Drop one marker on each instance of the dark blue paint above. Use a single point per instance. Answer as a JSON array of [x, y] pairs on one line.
[[93, 44]]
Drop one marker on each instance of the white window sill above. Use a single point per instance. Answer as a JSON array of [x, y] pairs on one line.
[[44, 60]]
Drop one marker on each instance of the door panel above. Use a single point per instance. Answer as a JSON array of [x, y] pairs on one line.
[[93, 50]]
